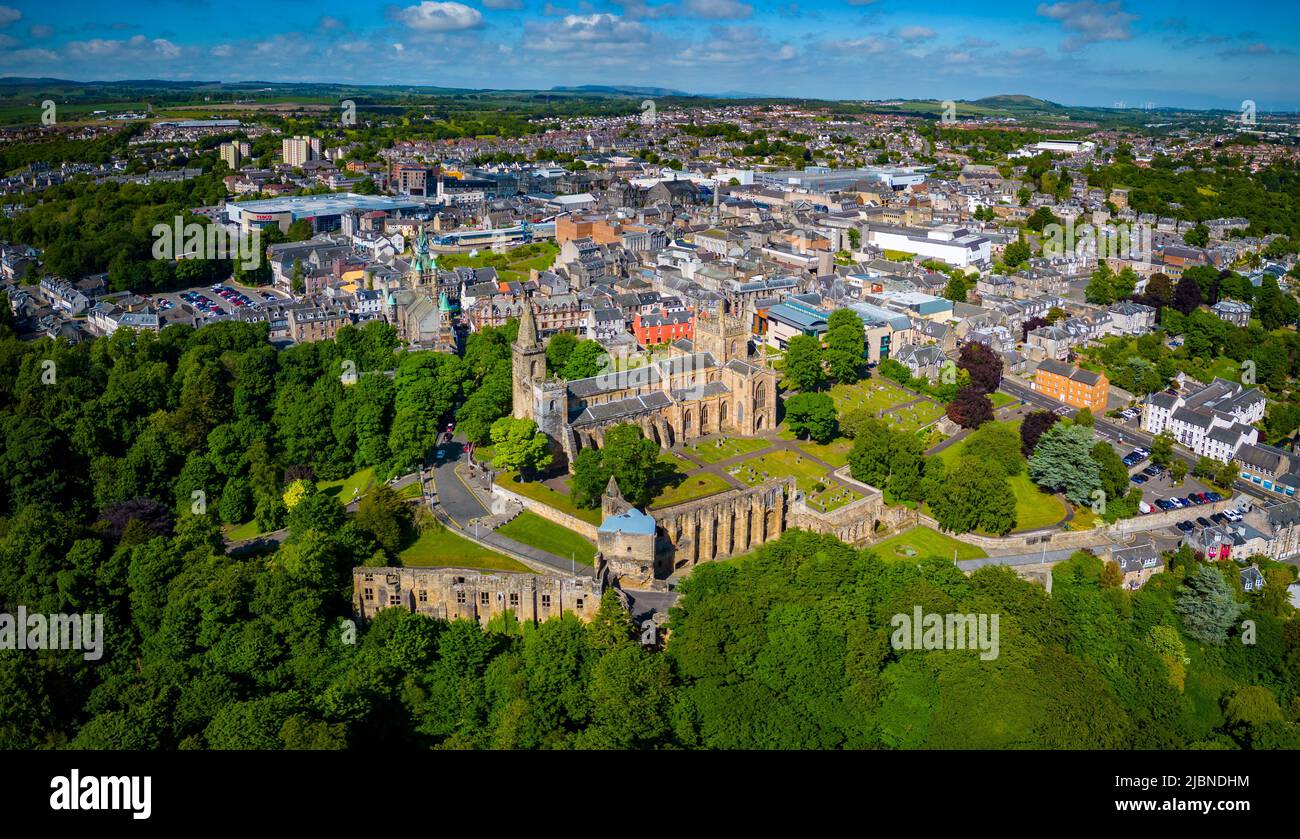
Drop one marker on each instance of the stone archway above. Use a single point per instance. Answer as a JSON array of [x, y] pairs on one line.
[[686, 423], [704, 419], [771, 527], [759, 422], [722, 414]]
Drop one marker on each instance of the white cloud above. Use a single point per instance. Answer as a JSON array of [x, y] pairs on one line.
[[718, 9], [503, 4], [598, 32], [8, 15], [1090, 21], [222, 51], [439, 17], [135, 47], [915, 33]]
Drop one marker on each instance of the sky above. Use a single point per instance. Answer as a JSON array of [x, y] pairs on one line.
[[1170, 53]]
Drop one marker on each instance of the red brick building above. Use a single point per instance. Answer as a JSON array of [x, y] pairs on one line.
[[663, 327]]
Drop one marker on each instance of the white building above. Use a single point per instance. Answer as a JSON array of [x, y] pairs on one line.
[[1215, 421], [947, 243]]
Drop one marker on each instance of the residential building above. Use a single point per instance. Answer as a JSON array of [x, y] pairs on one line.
[[1214, 421], [1072, 385]]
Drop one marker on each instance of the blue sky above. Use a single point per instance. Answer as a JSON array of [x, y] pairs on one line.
[[1191, 53]]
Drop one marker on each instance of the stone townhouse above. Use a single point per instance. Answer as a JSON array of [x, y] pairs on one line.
[[1214, 421]]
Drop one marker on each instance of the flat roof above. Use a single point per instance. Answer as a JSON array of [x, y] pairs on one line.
[[333, 204]]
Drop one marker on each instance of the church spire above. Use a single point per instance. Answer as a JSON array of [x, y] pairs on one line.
[[527, 326]]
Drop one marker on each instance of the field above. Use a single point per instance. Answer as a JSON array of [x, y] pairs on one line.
[[1000, 399], [921, 542], [240, 532], [350, 488], [711, 451], [874, 395], [806, 472], [1034, 508], [688, 488], [532, 529], [836, 452], [541, 492], [440, 547], [914, 417], [511, 265]]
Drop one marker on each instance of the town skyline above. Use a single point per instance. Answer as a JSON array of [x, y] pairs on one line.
[[1078, 54]]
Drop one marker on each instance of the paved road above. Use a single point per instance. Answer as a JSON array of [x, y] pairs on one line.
[[462, 506]]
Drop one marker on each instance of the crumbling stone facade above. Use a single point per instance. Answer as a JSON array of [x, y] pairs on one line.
[[467, 594]]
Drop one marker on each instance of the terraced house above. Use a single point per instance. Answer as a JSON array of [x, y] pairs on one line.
[[1214, 421]]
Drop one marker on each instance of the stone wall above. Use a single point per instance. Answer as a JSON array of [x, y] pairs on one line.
[[546, 511], [463, 593], [856, 523]]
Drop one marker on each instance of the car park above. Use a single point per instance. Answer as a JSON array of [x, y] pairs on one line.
[[1202, 521], [1185, 526], [1164, 504]]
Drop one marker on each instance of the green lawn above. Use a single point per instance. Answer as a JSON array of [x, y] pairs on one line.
[[441, 546], [411, 490], [779, 464], [836, 452], [914, 416], [921, 542], [688, 488], [532, 529], [721, 448], [1001, 399], [1034, 508], [873, 394], [240, 532], [541, 492], [358, 483]]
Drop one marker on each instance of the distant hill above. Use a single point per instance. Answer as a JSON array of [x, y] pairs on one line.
[[628, 90], [1018, 102]]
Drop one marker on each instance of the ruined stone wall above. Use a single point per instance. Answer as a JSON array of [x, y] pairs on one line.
[[463, 593], [725, 524], [547, 512]]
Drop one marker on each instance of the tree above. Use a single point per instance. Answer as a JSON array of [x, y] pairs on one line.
[[1034, 425], [845, 346], [584, 361], [559, 349], [1207, 605], [971, 408], [1225, 474], [518, 445], [1162, 449], [1111, 575], [1178, 471], [1100, 289], [1187, 295], [1016, 254], [1197, 237], [812, 415], [999, 445], [956, 290], [385, 516], [1062, 462], [589, 479], [975, 495], [873, 448], [1113, 472], [1159, 290], [1085, 418], [632, 460], [803, 363], [983, 364]]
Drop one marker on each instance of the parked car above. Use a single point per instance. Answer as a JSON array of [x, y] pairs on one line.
[[1202, 521], [1139, 479], [1214, 496], [1185, 526], [1164, 504]]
